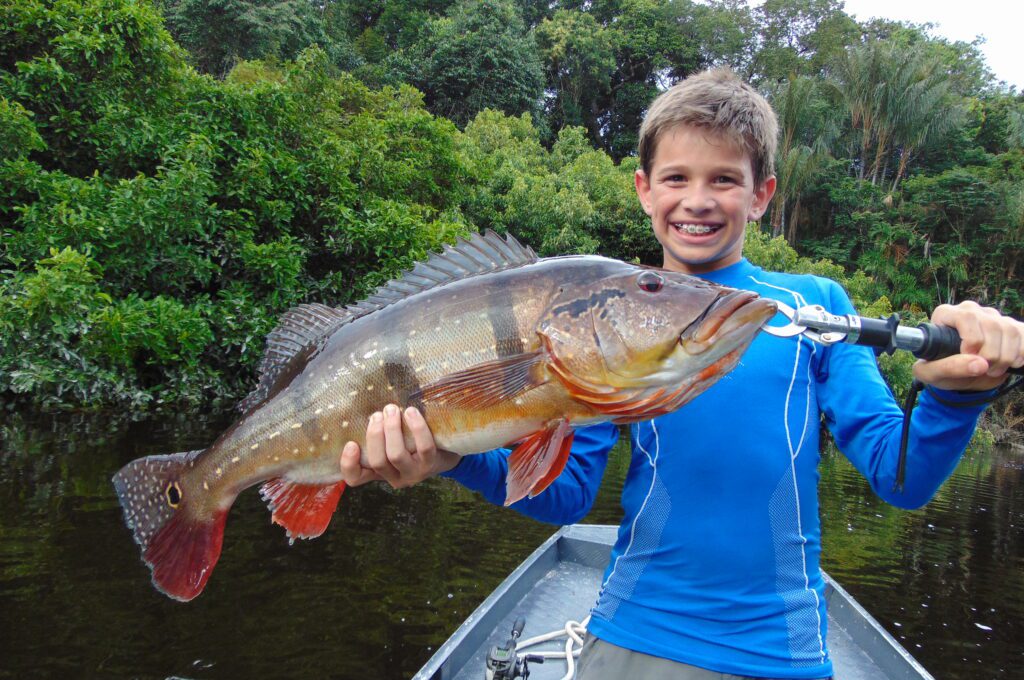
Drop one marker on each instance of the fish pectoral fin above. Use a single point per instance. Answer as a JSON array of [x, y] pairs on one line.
[[303, 509], [537, 461], [487, 384]]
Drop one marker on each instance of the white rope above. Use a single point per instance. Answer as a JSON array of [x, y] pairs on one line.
[[573, 632]]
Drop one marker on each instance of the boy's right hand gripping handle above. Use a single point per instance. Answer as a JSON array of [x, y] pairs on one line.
[[927, 341]]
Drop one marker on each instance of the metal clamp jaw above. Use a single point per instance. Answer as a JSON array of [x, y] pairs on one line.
[[816, 323]]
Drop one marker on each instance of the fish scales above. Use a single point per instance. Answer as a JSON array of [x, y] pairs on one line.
[[493, 345]]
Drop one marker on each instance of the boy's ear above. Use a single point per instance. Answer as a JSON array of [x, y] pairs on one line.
[[643, 189], [762, 197]]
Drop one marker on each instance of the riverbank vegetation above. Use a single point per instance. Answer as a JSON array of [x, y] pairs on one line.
[[173, 176]]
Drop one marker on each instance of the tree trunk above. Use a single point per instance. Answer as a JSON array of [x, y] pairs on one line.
[[794, 217], [778, 217]]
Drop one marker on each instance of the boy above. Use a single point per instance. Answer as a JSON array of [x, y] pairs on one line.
[[715, 572]]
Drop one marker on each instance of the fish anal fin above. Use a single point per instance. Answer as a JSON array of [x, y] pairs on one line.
[[304, 510], [537, 461], [487, 384]]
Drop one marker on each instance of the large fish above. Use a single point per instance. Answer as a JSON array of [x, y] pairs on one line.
[[492, 344]]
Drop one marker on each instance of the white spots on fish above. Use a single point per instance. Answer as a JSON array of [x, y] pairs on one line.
[[380, 362], [519, 402], [369, 388], [375, 343], [318, 411], [437, 329], [236, 459], [295, 452], [391, 387], [218, 472], [344, 423], [255, 446], [458, 321], [206, 487], [412, 332], [311, 448], [296, 426], [412, 355], [353, 393], [331, 406], [326, 435], [369, 354], [274, 434], [277, 458]]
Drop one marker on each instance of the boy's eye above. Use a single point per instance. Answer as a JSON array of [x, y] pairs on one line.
[[725, 179]]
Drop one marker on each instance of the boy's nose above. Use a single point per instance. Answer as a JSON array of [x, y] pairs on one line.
[[698, 200]]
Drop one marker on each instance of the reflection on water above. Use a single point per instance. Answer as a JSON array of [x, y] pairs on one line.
[[398, 571]]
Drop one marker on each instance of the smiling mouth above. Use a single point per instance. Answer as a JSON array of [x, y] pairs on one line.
[[691, 229]]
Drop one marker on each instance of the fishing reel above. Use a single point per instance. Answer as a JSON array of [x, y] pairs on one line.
[[503, 663]]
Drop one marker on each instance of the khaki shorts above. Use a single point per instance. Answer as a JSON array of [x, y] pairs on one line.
[[602, 660]]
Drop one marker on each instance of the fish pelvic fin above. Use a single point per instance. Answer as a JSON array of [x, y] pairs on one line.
[[180, 547], [537, 461], [304, 510]]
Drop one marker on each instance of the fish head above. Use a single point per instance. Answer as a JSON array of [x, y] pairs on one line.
[[639, 330]]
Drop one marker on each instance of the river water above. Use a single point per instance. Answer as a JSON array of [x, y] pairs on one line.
[[397, 571]]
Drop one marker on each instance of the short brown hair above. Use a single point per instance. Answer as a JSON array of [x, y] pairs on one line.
[[721, 102]]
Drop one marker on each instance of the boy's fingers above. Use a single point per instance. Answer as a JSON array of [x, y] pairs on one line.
[[394, 446], [376, 453], [957, 372], [353, 473], [425, 446]]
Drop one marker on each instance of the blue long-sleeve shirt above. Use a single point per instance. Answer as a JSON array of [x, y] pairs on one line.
[[717, 558]]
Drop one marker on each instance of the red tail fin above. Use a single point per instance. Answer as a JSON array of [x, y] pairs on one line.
[[180, 548]]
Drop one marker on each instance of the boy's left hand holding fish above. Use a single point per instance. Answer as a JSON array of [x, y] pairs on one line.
[[389, 459]]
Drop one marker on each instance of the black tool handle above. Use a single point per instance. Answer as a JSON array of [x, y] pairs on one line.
[[938, 342], [517, 627]]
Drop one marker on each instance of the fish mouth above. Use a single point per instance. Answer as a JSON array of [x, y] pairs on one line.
[[733, 319]]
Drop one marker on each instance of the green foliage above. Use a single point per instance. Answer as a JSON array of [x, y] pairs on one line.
[[147, 266], [64, 340], [477, 56]]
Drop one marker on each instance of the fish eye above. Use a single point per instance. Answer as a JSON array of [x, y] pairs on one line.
[[650, 281], [173, 494]]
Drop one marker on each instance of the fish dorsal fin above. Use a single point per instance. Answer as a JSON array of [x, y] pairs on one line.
[[298, 332], [301, 328], [479, 254]]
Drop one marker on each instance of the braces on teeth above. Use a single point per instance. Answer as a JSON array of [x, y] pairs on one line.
[[694, 228]]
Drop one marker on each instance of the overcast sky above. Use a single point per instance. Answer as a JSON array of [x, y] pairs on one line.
[[1000, 22]]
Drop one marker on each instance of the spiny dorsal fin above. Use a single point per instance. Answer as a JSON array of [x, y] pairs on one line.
[[301, 328], [480, 254], [298, 332]]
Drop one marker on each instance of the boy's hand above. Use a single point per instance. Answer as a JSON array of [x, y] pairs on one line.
[[387, 456], [990, 344]]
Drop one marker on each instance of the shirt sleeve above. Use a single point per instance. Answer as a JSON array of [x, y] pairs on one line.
[[865, 420], [569, 497]]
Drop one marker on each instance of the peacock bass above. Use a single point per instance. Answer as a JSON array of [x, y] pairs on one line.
[[494, 345]]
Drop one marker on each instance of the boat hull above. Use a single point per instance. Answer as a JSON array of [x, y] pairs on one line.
[[559, 583]]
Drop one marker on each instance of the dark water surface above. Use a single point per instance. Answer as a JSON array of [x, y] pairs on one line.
[[398, 571]]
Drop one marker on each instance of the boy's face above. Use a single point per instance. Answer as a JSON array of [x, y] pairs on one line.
[[700, 196]]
